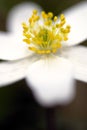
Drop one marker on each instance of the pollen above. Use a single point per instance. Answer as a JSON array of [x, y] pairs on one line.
[[45, 37]]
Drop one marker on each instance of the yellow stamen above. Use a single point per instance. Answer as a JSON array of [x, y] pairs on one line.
[[45, 38], [62, 17], [55, 18], [34, 11], [50, 15], [27, 41]]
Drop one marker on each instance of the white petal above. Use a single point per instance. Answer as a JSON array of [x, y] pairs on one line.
[[51, 81], [19, 14], [78, 56], [11, 72], [12, 47], [76, 17]]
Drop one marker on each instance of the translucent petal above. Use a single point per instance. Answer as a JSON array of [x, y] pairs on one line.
[[78, 56], [76, 17], [12, 47], [13, 71], [19, 14], [51, 81]]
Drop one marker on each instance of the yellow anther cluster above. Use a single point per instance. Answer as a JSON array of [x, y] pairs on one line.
[[47, 36]]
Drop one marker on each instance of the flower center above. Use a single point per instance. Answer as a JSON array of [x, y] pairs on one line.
[[45, 34]]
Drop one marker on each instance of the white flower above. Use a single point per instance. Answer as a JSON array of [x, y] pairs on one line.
[[51, 79]]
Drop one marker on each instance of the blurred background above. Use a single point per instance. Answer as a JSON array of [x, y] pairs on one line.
[[18, 108]]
